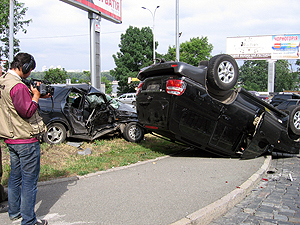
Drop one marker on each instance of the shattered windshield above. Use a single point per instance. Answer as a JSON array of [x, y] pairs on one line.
[[96, 99], [114, 103]]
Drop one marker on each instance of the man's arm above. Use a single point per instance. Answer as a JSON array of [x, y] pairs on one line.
[[25, 105]]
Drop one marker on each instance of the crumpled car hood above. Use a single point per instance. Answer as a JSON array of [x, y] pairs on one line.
[[125, 110]]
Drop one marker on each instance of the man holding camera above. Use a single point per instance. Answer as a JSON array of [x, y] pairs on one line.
[[20, 127]]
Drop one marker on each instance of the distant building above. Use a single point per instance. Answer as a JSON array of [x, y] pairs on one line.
[[44, 68], [115, 85]]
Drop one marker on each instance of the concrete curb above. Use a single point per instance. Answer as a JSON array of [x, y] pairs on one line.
[[214, 210], [75, 178]]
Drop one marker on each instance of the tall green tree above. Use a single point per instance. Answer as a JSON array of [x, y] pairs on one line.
[[254, 76], [136, 52], [298, 64], [56, 76], [284, 78], [192, 51], [297, 74], [19, 25], [108, 84]]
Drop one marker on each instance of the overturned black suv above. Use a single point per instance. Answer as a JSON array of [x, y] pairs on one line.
[[83, 112], [199, 107]]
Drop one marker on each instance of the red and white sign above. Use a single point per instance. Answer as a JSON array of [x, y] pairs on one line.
[[108, 9], [2, 63]]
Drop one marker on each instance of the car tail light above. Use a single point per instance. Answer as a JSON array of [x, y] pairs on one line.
[[139, 88], [175, 87], [151, 127]]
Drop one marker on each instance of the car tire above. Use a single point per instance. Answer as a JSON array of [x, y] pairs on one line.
[[294, 120], [56, 134], [133, 132], [222, 72]]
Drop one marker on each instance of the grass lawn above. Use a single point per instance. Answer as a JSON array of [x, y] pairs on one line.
[[64, 161]]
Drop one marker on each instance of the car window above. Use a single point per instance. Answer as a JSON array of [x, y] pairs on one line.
[[74, 99], [295, 96], [129, 96]]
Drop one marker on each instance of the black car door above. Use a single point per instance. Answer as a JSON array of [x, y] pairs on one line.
[[206, 121]]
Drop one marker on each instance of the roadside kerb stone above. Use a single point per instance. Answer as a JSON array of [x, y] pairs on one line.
[[74, 178], [214, 210]]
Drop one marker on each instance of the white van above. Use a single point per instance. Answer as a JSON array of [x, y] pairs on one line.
[[128, 98]]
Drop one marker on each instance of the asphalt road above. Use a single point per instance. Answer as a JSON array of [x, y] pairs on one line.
[[160, 191]]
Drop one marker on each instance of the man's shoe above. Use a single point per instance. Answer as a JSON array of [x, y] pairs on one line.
[[16, 218], [41, 222]]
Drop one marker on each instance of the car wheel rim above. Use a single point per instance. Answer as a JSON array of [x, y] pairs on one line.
[[226, 72], [134, 132], [296, 120], [54, 134]]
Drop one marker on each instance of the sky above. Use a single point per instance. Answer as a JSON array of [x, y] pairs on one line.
[[59, 33]]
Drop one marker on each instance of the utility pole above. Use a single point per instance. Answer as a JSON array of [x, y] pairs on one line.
[[271, 75], [95, 50], [177, 31], [11, 31]]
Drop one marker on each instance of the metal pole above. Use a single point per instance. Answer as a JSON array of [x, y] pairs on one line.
[[271, 75], [11, 31], [153, 30], [92, 49], [95, 50], [177, 31]]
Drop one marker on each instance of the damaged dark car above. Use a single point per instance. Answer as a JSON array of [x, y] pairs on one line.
[[83, 112], [200, 107]]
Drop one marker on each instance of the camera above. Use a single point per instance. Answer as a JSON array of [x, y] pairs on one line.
[[44, 88]]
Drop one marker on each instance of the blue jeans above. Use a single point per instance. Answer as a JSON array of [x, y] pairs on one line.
[[22, 184]]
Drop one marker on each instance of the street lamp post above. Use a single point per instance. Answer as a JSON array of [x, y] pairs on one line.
[[177, 31], [11, 32], [153, 16]]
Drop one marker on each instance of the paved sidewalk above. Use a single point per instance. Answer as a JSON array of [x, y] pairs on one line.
[[154, 192], [276, 199]]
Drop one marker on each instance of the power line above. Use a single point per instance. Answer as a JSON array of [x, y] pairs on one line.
[[67, 36], [76, 35]]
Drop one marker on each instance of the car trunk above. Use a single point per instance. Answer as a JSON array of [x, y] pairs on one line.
[[154, 103]]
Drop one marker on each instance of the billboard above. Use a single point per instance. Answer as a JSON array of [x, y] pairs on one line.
[[285, 46], [108, 9], [264, 47]]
